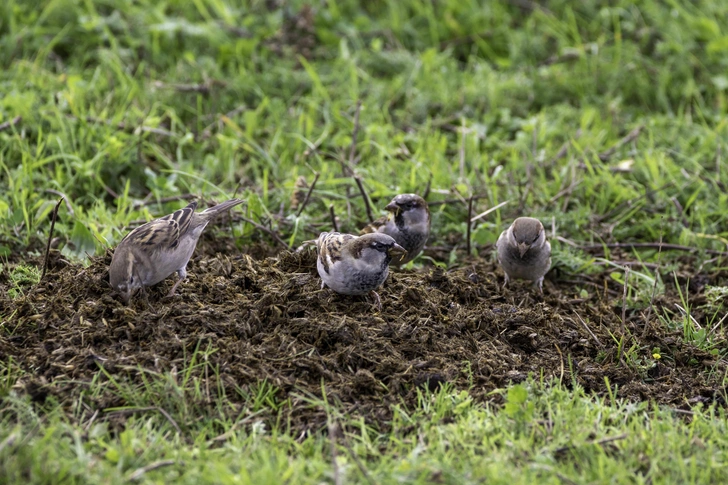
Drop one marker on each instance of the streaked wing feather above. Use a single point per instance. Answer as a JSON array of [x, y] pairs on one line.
[[330, 246], [164, 232], [374, 226]]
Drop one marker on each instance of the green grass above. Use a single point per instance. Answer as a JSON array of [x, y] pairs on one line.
[[545, 433], [520, 86], [472, 97]]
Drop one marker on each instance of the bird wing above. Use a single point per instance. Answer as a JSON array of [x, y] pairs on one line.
[[165, 232], [331, 247], [375, 226]]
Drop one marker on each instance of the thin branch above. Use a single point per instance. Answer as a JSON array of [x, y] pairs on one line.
[[426, 193], [333, 430], [202, 88], [267, 230], [334, 224], [8, 124], [567, 191], [354, 133], [629, 202], [149, 408], [469, 225], [558, 59], [624, 299], [599, 343], [368, 205], [676, 247], [125, 127], [207, 131], [627, 263], [63, 196], [91, 421], [356, 459], [163, 200], [169, 418], [483, 214], [9, 441], [139, 472], [308, 194], [680, 211], [454, 201], [50, 237], [715, 327], [654, 285], [600, 442], [463, 134], [632, 135]]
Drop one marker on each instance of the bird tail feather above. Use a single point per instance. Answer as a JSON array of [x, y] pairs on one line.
[[219, 208]]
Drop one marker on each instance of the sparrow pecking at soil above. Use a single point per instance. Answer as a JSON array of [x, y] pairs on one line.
[[155, 250], [524, 252], [408, 224], [355, 265]]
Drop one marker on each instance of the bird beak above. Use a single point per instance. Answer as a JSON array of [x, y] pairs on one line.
[[398, 250], [393, 207], [523, 248]]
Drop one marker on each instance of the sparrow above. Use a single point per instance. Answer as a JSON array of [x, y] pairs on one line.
[[355, 265], [408, 224], [524, 252], [155, 250]]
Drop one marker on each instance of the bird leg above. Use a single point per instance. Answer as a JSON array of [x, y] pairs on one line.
[[182, 274], [377, 300], [539, 283]]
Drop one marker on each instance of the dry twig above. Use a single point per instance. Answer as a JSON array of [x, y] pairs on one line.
[[50, 237], [469, 225], [334, 224], [140, 472], [660, 246], [8, 124], [354, 133], [599, 343], [631, 136], [368, 205], [308, 195], [267, 230]]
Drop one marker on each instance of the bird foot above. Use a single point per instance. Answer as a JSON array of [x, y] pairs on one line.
[[539, 283], [377, 300], [174, 287]]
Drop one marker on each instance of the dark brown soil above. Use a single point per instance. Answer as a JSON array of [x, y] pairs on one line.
[[269, 320]]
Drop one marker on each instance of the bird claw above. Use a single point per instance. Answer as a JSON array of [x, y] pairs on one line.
[[174, 287], [377, 300]]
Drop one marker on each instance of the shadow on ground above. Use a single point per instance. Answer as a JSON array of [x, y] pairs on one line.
[[268, 319]]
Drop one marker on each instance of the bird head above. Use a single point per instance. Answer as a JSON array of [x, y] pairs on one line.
[[527, 233], [123, 276], [411, 207]]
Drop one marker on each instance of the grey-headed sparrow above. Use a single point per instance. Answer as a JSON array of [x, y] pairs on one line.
[[355, 265], [408, 224], [155, 250], [524, 252]]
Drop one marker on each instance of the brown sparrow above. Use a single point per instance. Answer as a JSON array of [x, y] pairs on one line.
[[155, 250], [524, 252], [355, 265], [408, 224]]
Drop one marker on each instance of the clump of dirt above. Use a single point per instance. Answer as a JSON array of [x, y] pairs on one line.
[[269, 319]]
